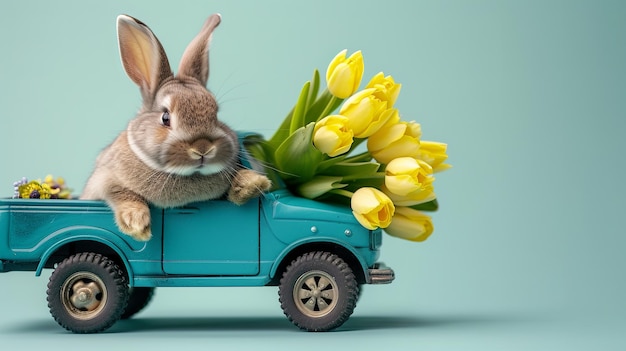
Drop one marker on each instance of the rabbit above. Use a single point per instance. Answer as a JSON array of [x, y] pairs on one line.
[[175, 151]]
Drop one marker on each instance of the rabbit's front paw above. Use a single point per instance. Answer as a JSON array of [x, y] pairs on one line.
[[134, 219], [246, 185]]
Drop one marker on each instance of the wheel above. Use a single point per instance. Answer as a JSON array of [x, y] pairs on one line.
[[318, 291], [87, 293], [139, 298]]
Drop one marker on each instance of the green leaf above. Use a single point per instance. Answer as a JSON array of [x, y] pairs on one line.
[[297, 120], [263, 153], [296, 157], [366, 169], [314, 112], [331, 106], [319, 186], [315, 86], [325, 164], [375, 181], [282, 132], [255, 148], [362, 157], [431, 206]]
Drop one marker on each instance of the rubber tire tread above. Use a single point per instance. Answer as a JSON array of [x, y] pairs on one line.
[[348, 290], [138, 299], [112, 276]]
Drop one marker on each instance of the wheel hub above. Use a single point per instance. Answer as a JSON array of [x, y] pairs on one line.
[[315, 293], [84, 295]]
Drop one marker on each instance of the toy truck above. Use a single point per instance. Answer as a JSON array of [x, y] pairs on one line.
[[316, 253]]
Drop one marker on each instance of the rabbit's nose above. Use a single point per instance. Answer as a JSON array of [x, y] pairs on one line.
[[197, 154], [200, 149]]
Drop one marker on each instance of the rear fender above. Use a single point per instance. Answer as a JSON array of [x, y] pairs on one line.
[[90, 236]]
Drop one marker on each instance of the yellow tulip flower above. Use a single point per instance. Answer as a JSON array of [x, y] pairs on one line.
[[332, 135], [407, 175], [434, 153], [392, 141], [372, 208], [366, 112], [410, 224], [415, 198], [344, 75], [386, 88]]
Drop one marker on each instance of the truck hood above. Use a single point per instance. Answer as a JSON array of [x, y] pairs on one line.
[[287, 206]]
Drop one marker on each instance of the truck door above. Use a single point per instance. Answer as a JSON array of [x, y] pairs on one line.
[[212, 238]]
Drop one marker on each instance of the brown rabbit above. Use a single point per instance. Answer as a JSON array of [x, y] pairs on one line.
[[175, 151]]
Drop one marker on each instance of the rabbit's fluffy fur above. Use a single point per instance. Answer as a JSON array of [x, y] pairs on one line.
[[175, 151]]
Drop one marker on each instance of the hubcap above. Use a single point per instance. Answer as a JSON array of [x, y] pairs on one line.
[[315, 293], [84, 295]]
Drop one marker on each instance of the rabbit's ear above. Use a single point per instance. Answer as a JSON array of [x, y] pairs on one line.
[[195, 60], [142, 55]]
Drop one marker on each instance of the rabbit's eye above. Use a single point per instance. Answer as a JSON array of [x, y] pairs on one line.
[[165, 118]]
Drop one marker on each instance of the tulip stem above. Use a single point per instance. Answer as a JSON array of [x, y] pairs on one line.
[[377, 175], [362, 157], [330, 106], [327, 109], [341, 192]]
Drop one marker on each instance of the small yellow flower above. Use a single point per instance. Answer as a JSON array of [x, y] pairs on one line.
[[386, 88], [407, 175], [57, 187], [332, 135], [36, 190], [392, 141], [410, 224], [344, 75], [372, 208], [366, 112], [49, 179], [434, 153]]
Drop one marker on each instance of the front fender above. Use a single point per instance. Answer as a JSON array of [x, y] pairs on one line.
[[317, 242]]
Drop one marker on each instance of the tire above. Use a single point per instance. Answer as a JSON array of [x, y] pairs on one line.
[[318, 291], [138, 299], [87, 293]]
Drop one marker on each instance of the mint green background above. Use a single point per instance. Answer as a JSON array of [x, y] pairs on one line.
[[529, 249]]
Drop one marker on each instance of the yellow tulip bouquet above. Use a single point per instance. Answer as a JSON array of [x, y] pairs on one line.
[[315, 152]]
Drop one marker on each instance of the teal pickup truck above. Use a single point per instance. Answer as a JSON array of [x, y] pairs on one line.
[[316, 253]]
